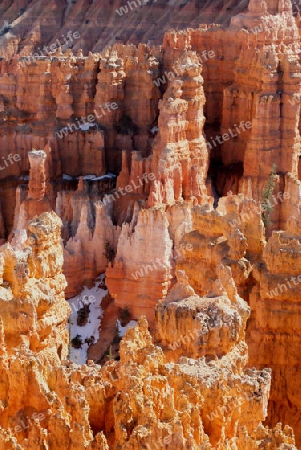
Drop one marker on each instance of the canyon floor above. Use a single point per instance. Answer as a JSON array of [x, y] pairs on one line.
[[150, 225]]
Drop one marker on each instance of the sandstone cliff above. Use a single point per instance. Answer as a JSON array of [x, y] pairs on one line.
[[146, 397], [100, 23], [192, 214]]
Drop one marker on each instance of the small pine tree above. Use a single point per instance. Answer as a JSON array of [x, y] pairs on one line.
[[266, 196], [110, 354], [76, 342], [109, 252], [125, 316]]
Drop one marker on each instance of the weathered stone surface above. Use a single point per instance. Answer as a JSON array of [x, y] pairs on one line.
[[100, 24], [33, 308], [129, 403], [140, 280], [87, 254], [179, 241]]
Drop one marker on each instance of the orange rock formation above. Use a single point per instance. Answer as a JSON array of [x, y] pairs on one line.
[[144, 398], [172, 195]]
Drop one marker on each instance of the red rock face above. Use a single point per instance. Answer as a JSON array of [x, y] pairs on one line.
[[36, 185], [174, 169]]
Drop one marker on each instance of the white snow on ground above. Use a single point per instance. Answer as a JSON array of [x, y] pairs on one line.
[[66, 177], [79, 356], [122, 330], [88, 177], [104, 177], [86, 126], [154, 130]]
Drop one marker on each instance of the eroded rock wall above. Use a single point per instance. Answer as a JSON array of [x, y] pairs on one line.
[[165, 240], [130, 403]]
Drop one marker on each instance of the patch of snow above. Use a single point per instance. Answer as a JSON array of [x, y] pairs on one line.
[[86, 126], [93, 297], [89, 177], [68, 177], [104, 177], [122, 330], [154, 130], [92, 177]]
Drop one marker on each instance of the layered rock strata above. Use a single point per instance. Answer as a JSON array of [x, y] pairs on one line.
[[99, 24], [245, 73]]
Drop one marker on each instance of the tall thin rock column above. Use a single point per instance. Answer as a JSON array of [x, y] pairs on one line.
[[37, 181]]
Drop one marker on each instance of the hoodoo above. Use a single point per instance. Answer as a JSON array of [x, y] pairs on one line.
[[150, 243]]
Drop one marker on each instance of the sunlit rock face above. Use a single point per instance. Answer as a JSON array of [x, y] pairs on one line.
[[171, 172], [196, 402], [34, 311]]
